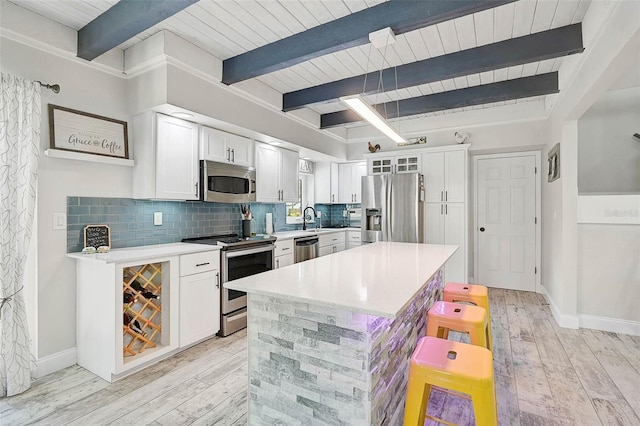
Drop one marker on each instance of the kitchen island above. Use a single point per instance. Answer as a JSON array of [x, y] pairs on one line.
[[330, 338]]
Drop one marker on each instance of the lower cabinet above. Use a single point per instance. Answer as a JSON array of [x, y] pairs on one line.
[[353, 239], [126, 314], [199, 296], [283, 253], [331, 243]]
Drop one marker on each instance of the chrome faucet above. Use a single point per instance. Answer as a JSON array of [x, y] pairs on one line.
[[304, 217]]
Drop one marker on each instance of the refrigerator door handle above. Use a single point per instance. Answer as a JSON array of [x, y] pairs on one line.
[[389, 222]]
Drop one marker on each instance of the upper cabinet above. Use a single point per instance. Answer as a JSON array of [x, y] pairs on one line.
[[216, 145], [326, 183], [276, 175], [445, 176], [382, 165], [350, 177], [166, 157]]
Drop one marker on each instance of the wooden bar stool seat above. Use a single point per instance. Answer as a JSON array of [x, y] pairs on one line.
[[452, 366], [446, 316]]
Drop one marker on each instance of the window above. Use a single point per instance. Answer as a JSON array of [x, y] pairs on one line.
[[305, 199]]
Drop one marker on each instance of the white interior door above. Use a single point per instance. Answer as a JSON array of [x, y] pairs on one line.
[[506, 222]]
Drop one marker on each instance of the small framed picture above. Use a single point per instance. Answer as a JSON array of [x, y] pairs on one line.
[[553, 160], [78, 131]]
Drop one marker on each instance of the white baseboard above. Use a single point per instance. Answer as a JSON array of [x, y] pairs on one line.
[[563, 320], [55, 362], [610, 324]]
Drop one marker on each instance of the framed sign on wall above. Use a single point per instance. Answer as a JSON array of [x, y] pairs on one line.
[[553, 160], [78, 131]]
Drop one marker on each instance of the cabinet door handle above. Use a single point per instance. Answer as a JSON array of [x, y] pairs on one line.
[[333, 198], [233, 155], [441, 196], [277, 263], [217, 279], [446, 209], [446, 195], [285, 248], [202, 264], [197, 189], [441, 209], [228, 154]]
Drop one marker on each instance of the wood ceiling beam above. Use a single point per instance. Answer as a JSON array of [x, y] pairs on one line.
[[525, 87], [124, 20], [531, 48], [349, 31]]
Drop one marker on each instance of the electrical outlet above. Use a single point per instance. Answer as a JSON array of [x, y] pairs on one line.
[[157, 218], [59, 221]]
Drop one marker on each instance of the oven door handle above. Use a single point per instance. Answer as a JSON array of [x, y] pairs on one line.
[[238, 253]]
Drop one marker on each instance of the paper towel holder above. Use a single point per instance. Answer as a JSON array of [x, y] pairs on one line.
[[269, 223]]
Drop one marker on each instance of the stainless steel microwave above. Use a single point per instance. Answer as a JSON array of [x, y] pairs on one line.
[[227, 183]]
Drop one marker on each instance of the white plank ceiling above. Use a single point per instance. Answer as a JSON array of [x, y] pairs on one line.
[[226, 28]]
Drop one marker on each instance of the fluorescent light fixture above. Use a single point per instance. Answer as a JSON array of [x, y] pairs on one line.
[[180, 114], [368, 113], [275, 143]]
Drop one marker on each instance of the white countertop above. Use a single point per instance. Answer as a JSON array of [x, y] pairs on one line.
[[134, 254], [378, 279], [287, 235]]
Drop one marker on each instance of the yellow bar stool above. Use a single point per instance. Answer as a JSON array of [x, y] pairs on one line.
[[469, 293], [452, 366], [445, 316]]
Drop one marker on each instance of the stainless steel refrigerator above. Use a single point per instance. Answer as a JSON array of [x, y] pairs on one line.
[[392, 208]]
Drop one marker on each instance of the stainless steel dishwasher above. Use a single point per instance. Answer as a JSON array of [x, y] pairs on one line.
[[305, 248]]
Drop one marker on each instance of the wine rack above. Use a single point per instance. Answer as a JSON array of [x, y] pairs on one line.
[[141, 309]]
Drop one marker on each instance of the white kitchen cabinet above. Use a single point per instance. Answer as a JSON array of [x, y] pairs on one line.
[[353, 239], [199, 296], [331, 243], [326, 178], [445, 173], [383, 165], [217, 145], [118, 330], [445, 176], [276, 174], [166, 158], [350, 179], [445, 224], [283, 253]]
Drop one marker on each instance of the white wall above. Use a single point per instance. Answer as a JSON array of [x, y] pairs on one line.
[[612, 40], [609, 271], [608, 255], [609, 155], [85, 89], [483, 139]]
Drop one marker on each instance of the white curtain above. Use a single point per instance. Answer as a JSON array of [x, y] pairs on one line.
[[19, 147]]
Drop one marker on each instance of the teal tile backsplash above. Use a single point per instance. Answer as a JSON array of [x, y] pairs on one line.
[[131, 221]]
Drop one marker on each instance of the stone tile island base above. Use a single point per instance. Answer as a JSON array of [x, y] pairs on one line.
[[316, 365]]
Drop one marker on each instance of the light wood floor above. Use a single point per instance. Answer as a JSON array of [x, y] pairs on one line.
[[545, 375]]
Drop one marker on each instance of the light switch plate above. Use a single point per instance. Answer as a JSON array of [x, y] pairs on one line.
[[59, 221], [157, 218]]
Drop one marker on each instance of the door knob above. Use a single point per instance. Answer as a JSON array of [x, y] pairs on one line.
[[482, 229]]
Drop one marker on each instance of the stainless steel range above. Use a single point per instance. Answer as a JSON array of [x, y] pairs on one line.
[[239, 258]]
